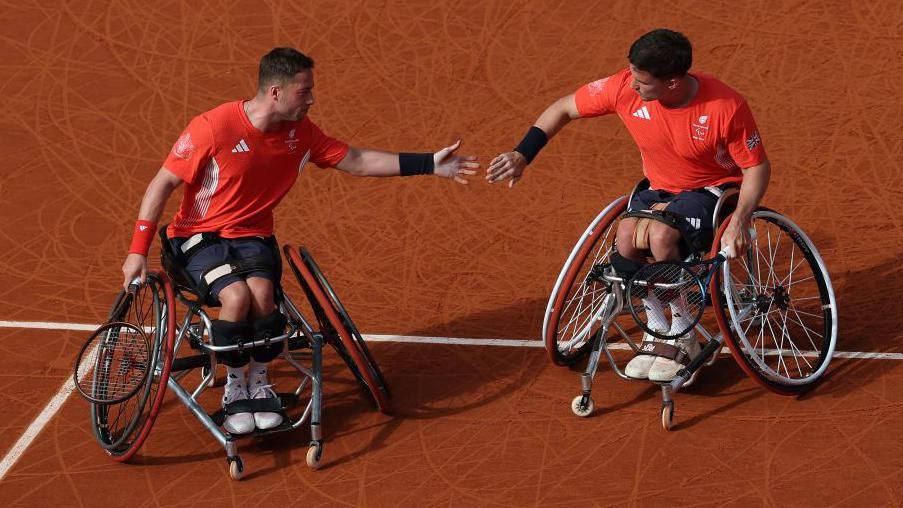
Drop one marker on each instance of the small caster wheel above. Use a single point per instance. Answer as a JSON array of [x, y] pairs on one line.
[[314, 454], [236, 468], [668, 415], [582, 405]]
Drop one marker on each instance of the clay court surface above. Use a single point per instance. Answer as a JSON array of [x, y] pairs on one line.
[[96, 93]]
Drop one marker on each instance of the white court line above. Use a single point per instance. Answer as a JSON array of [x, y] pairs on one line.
[[57, 401]]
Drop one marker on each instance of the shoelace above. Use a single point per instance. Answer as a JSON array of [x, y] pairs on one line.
[[268, 389]]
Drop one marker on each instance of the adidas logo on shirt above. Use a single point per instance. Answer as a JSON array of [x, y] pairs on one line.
[[241, 147], [642, 113]]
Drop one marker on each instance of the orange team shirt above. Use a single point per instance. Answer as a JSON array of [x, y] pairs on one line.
[[704, 143], [235, 174]]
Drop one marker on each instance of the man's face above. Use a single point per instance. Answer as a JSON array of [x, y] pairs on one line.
[[648, 87], [296, 96]]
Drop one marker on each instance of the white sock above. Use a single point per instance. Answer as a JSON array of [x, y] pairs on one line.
[[235, 380], [257, 374], [681, 319], [655, 314]]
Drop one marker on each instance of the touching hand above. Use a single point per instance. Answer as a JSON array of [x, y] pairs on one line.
[[448, 165], [506, 165]]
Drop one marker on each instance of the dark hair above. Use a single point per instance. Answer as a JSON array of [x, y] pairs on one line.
[[281, 65], [663, 53]]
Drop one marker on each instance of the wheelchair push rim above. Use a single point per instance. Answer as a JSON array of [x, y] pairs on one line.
[[571, 317], [776, 306], [349, 345], [121, 429]]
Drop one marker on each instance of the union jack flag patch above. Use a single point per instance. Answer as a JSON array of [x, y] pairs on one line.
[[753, 141]]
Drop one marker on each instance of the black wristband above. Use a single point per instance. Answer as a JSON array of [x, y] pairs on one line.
[[412, 164], [533, 141]]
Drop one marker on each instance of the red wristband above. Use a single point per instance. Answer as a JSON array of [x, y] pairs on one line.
[[143, 237]]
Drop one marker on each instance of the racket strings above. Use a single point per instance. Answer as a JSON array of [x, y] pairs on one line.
[[670, 298], [121, 357]]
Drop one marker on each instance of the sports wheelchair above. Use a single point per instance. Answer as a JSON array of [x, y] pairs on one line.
[[774, 306], [122, 428]]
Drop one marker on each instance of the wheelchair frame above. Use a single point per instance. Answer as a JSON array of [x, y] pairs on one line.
[[336, 329], [722, 291]]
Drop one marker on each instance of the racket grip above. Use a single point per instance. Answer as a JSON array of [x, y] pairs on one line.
[[136, 283], [725, 252], [685, 373]]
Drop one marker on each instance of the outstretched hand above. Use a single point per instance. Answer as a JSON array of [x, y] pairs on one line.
[[506, 165], [448, 165]]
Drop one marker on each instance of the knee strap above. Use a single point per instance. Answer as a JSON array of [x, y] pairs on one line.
[[269, 326], [229, 333], [624, 267], [245, 266]]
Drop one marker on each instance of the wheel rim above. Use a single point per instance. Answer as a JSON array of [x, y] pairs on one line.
[[578, 295], [335, 331], [152, 311], [781, 304], [349, 324]]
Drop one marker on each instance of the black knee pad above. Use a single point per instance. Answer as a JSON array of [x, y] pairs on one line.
[[229, 333], [625, 268], [269, 326]]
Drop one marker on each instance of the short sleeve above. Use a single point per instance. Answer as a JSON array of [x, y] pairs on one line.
[[325, 151], [599, 97], [744, 143], [192, 151]]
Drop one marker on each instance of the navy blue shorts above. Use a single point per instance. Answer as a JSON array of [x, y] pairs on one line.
[[225, 250], [696, 207]]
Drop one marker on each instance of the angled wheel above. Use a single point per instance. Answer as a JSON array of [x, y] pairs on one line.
[[582, 406], [576, 300], [337, 327], [776, 306], [122, 428]]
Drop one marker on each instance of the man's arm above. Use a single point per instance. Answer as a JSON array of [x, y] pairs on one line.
[[444, 163], [755, 183], [553, 119], [155, 197]]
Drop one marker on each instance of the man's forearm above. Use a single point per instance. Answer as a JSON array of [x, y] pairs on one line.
[[755, 183], [367, 162], [556, 116], [155, 197]]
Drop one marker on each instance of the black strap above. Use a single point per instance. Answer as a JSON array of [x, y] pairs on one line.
[[243, 267], [269, 404], [664, 350]]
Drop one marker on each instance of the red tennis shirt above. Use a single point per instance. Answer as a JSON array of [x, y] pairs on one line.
[[235, 175], [704, 143]]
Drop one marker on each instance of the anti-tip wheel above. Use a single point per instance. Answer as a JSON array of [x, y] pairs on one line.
[[582, 406], [667, 416], [236, 468], [314, 454]]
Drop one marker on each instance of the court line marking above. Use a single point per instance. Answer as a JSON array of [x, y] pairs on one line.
[[36, 426]]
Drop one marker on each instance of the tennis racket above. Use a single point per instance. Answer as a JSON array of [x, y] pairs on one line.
[[113, 364], [667, 298]]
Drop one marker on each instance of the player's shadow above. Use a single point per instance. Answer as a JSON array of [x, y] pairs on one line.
[[870, 302], [427, 381]]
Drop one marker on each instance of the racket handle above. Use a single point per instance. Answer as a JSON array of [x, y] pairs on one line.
[[687, 372], [135, 284], [724, 253]]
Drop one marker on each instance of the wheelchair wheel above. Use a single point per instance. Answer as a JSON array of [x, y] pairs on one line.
[[336, 325], [776, 306], [576, 299], [122, 428]]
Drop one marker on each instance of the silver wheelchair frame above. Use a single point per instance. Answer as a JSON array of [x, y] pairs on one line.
[[613, 305], [299, 335]]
